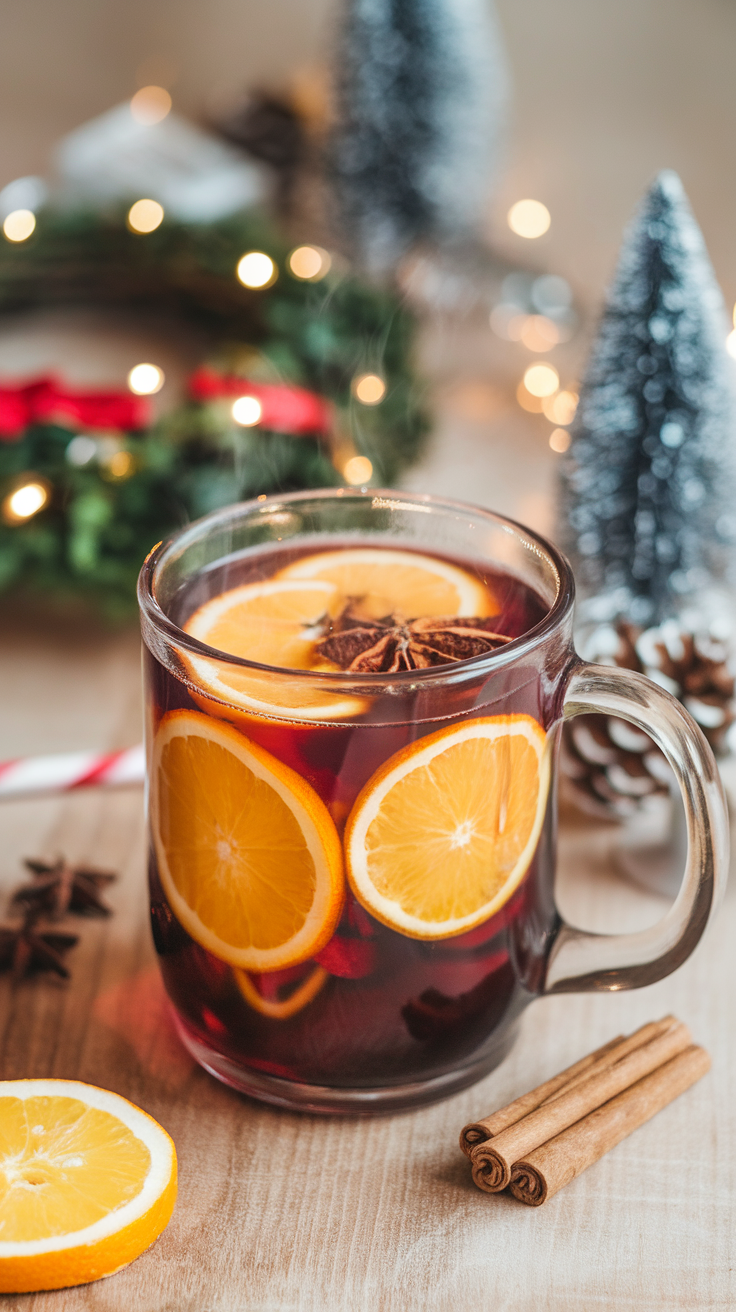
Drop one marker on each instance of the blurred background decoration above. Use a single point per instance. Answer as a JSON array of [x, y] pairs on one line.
[[648, 508], [284, 252], [303, 379], [301, 231]]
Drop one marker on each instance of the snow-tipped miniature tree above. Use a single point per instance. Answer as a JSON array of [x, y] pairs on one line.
[[419, 89], [648, 485]]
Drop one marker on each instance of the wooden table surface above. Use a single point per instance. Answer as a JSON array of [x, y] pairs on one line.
[[279, 1212]]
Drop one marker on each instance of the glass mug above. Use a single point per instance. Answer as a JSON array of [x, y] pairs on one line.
[[269, 783]]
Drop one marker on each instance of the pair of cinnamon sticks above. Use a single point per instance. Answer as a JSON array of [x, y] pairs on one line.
[[545, 1138]]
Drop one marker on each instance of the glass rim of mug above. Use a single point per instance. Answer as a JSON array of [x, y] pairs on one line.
[[164, 551]]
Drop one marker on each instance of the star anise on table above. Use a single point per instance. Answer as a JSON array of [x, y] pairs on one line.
[[393, 644], [62, 887], [25, 951]]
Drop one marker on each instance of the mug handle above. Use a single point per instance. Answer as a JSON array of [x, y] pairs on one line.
[[582, 962]]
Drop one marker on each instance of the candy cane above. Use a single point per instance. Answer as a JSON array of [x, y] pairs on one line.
[[29, 775]]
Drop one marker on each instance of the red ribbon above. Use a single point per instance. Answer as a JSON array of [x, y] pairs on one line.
[[46, 401], [284, 409]]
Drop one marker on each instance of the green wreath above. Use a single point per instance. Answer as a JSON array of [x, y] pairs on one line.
[[97, 518]]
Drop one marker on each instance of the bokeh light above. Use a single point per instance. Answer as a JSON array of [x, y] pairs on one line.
[[529, 218], [369, 389], [247, 411], [145, 216], [145, 379], [25, 501], [551, 294], [81, 450], [19, 225], [357, 470], [507, 322], [559, 440], [541, 380], [528, 402], [150, 105], [120, 465], [256, 270], [310, 263], [731, 344], [560, 409], [539, 333]]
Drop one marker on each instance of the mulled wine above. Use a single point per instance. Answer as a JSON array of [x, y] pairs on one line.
[[418, 924], [353, 703]]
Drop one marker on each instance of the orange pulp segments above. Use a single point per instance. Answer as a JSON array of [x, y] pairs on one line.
[[273, 622], [388, 581], [87, 1183], [248, 854], [442, 835]]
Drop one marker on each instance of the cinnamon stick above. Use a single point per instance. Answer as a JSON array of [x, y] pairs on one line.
[[479, 1131], [493, 1160], [538, 1175], [488, 1126]]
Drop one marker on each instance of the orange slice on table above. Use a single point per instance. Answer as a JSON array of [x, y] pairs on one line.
[[248, 854], [388, 581], [272, 622], [444, 832], [87, 1183]]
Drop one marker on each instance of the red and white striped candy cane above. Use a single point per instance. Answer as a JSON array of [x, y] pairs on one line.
[[29, 775]]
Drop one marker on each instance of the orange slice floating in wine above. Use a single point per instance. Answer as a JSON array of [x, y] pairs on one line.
[[442, 835], [273, 622], [248, 854], [389, 582]]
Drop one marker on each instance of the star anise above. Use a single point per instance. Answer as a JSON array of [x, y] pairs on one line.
[[25, 951], [62, 887], [392, 644]]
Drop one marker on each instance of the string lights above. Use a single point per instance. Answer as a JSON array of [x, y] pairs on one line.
[[541, 380], [529, 218], [146, 379], [559, 440], [357, 470], [150, 105], [538, 333], [247, 411], [18, 225], [369, 389], [145, 216], [26, 500], [257, 270], [309, 263], [119, 466], [560, 408]]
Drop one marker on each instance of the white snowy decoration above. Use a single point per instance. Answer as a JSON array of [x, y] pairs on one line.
[[421, 86], [195, 177], [649, 482]]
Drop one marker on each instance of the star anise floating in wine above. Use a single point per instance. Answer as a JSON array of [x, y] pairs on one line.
[[61, 887], [24, 950], [393, 644]]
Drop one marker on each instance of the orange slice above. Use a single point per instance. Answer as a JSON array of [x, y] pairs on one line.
[[299, 999], [87, 1183], [248, 854], [444, 832], [272, 622], [388, 581]]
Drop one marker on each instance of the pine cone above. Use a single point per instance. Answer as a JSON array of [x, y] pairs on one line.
[[610, 766]]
